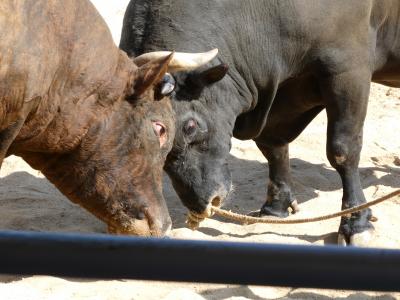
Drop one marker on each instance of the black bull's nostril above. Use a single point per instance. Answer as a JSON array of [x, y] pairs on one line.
[[217, 201], [220, 196]]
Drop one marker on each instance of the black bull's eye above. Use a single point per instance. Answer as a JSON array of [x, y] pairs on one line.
[[190, 127]]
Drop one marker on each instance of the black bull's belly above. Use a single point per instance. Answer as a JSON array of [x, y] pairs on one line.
[[288, 61]]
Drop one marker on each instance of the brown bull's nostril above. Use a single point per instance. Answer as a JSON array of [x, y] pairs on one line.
[[141, 216]]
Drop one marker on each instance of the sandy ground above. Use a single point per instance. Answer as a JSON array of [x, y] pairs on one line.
[[29, 202]]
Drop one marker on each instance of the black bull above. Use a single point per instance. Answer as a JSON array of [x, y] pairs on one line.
[[288, 60]]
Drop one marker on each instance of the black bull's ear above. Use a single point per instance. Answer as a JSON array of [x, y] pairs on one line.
[[150, 74], [212, 74]]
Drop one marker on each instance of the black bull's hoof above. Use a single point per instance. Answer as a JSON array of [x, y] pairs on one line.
[[361, 239], [353, 231], [277, 209], [274, 209], [356, 230], [279, 199]]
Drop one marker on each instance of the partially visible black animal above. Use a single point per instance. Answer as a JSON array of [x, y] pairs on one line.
[[288, 60]]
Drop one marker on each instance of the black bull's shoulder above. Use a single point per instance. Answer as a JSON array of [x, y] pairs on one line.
[[266, 43]]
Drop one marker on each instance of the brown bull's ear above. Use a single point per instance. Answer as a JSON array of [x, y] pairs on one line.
[[150, 74], [213, 74]]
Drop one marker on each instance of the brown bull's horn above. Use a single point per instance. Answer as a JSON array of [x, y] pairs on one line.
[[180, 61]]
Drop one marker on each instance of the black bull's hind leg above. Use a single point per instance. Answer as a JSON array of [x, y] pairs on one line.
[[346, 96]]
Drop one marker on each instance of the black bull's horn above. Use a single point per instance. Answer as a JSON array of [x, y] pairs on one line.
[[180, 61]]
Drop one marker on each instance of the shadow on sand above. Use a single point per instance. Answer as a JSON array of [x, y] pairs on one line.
[[247, 293], [308, 180]]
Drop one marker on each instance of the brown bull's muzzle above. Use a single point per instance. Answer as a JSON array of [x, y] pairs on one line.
[[140, 228], [148, 226], [135, 227]]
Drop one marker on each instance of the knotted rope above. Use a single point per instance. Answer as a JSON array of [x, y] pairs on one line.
[[193, 219]]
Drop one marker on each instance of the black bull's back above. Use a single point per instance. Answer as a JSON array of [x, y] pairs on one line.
[[288, 61]]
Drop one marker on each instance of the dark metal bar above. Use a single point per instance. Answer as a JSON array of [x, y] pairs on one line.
[[105, 256]]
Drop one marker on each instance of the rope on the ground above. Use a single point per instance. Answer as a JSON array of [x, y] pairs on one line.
[[194, 220]]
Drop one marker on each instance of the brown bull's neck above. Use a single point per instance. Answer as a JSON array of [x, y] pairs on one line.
[[61, 120]]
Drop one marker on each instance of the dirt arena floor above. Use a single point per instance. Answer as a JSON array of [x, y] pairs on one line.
[[29, 202]]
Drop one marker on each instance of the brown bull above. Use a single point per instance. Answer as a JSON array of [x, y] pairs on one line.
[[74, 106]]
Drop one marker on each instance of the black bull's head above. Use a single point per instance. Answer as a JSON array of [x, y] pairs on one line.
[[197, 163]]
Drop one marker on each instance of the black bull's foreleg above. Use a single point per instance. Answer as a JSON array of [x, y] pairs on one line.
[[279, 195]]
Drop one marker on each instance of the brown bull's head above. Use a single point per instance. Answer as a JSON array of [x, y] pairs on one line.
[[106, 152]]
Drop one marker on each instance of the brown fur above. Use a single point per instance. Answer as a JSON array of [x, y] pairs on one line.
[[77, 108]]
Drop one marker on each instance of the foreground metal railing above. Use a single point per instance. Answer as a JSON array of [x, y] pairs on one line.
[[106, 256]]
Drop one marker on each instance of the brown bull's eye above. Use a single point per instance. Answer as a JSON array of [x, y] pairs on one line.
[[160, 131]]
